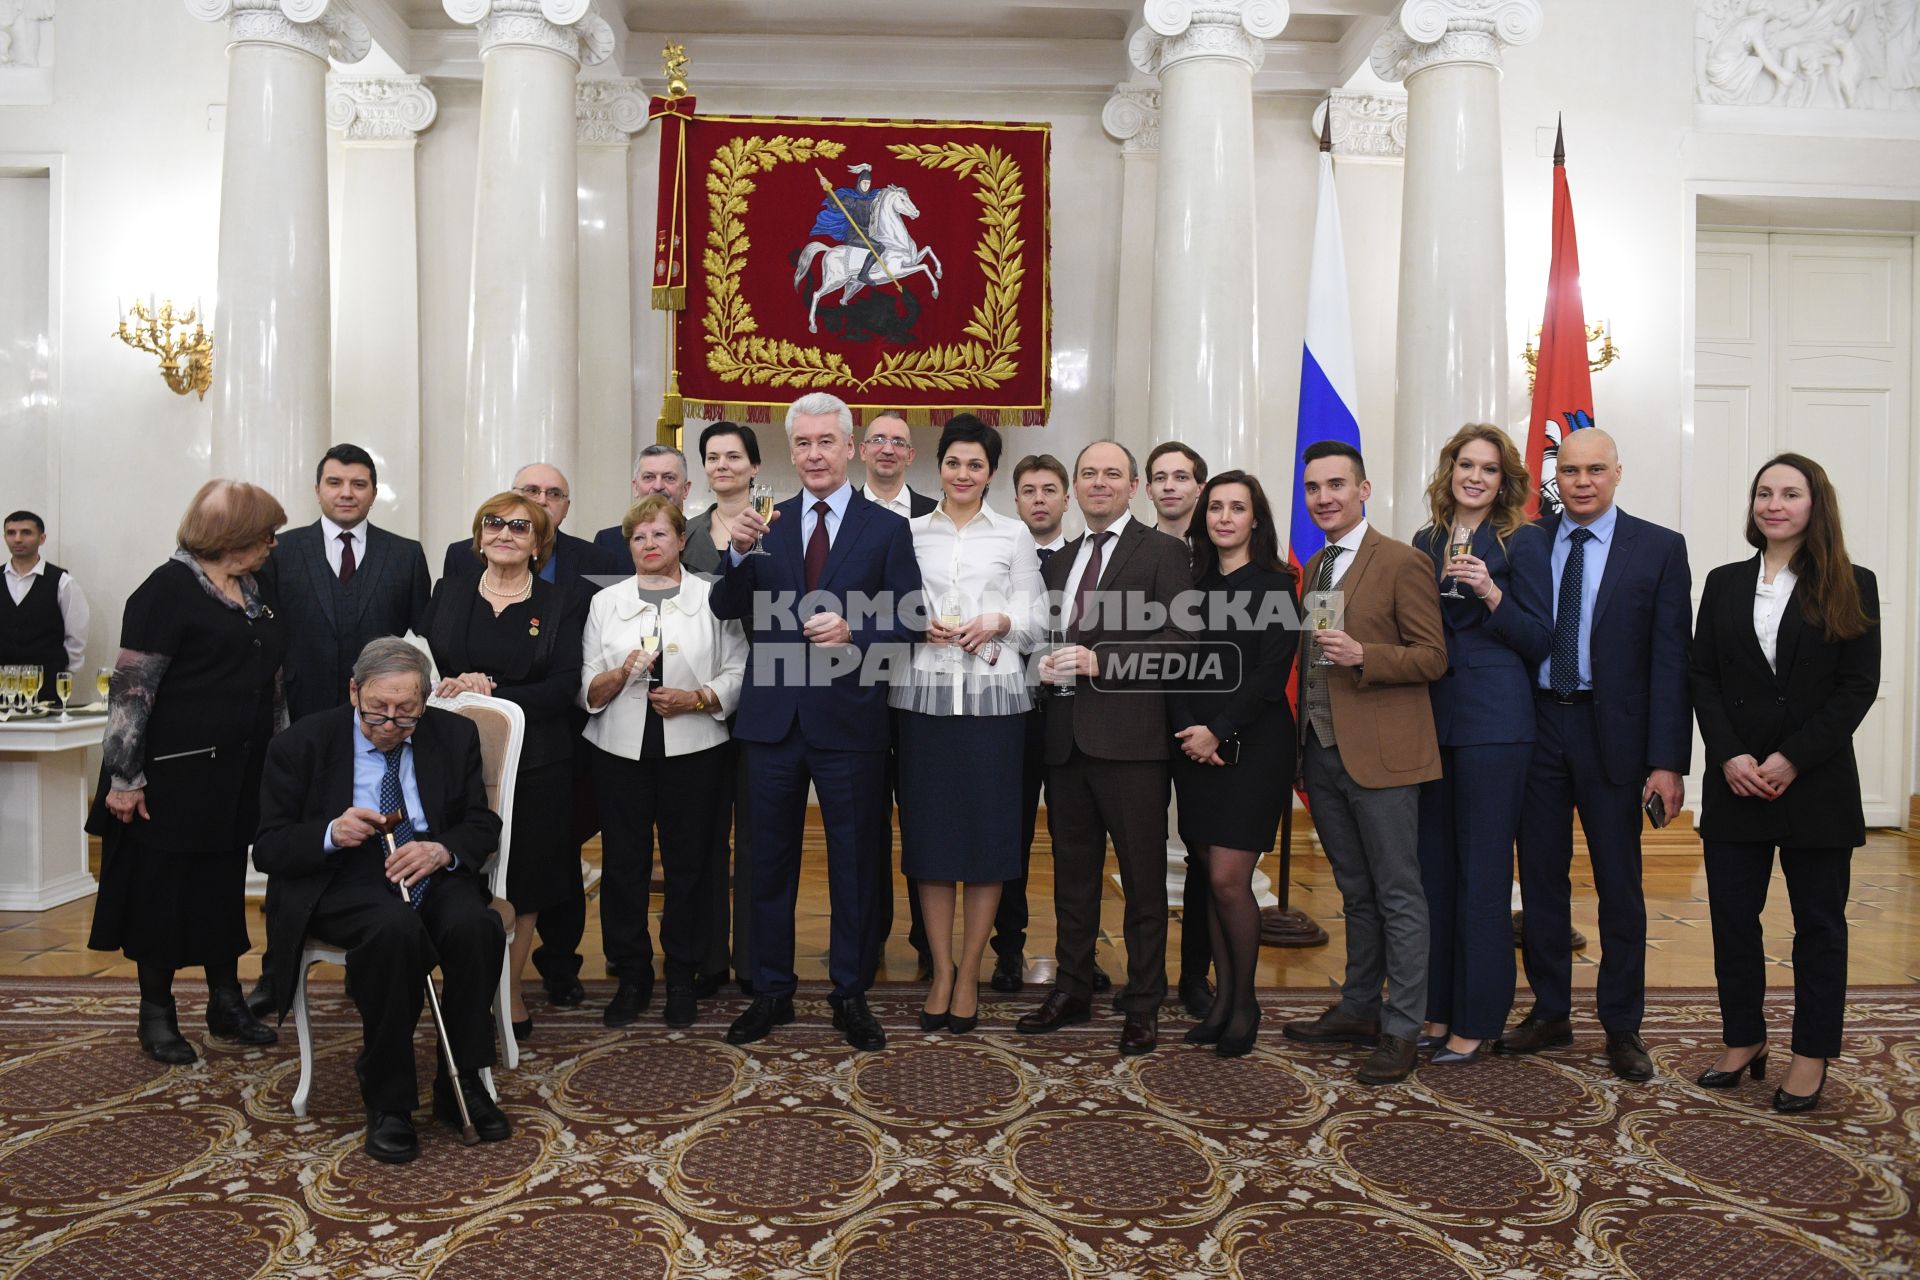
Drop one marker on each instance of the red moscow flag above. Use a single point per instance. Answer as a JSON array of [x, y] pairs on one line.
[[1563, 383]]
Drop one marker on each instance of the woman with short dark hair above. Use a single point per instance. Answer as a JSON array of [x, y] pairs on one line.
[[195, 697], [731, 456]]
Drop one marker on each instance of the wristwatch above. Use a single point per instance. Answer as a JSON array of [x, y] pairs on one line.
[[700, 699]]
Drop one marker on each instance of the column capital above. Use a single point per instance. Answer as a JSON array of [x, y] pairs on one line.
[[1178, 31], [1373, 125], [569, 28], [380, 110], [609, 112], [1431, 32], [1132, 117], [324, 28]]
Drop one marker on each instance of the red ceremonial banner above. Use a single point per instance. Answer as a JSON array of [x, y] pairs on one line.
[[1563, 378], [897, 264]]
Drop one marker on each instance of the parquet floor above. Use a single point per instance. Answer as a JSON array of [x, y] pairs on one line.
[[1884, 913]]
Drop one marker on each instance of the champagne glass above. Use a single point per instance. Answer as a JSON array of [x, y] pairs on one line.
[[34, 677], [650, 643], [9, 687], [63, 688], [1458, 544], [1058, 686], [1323, 612], [104, 683], [762, 495], [952, 617]]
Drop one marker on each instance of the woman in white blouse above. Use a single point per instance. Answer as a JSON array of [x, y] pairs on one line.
[[660, 677], [962, 707], [1785, 666]]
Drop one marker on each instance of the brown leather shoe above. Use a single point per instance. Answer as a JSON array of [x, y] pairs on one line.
[[1534, 1034], [1390, 1062], [1140, 1035], [1060, 1010], [1333, 1027], [1627, 1055]]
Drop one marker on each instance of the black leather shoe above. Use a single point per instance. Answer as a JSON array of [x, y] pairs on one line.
[[1391, 1061], [565, 992], [683, 1005], [1009, 974], [1141, 1034], [1714, 1078], [1101, 982], [229, 1018], [707, 985], [160, 1037], [260, 999], [390, 1137], [1627, 1055], [1059, 1010], [489, 1121], [1333, 1027], [523, 1029], [630, 1000], [1533, 1034], [1196, 997], [1792, 1103], [853, 1019], [761, 1017]]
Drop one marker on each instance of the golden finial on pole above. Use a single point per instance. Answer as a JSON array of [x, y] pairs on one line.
[[673, 62]]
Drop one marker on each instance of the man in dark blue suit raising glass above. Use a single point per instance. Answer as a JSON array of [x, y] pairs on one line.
[[1613, 732], [831, 594]]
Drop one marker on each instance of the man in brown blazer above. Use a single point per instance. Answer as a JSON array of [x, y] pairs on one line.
[[1368, 743], [1108, 743]]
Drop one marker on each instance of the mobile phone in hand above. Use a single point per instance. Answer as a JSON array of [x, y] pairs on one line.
[[1229, 751], [1656, 807]]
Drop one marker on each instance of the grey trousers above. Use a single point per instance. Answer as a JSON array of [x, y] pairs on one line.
[[1371, 836]]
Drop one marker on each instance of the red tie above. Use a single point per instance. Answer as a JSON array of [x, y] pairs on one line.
[[346, 558], [1088, 580], [817, 545]]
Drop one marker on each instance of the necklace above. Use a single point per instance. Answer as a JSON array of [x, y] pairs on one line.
[[516, 594]]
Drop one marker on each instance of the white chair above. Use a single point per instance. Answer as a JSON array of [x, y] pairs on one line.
[[503, 727]]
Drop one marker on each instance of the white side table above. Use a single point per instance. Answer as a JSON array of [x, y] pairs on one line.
[[43, 811]]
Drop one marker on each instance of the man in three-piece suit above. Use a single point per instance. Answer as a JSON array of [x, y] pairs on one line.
[[1108, 745], [327, 782], [586, 568], [339, 582], [1367, 743], [1613, 730], [837, 583]]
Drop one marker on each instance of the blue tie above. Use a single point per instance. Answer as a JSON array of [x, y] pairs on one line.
[[390, 802], [1564, 672]]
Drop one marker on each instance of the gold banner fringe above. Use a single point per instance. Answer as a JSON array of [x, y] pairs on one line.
[[669, 297]]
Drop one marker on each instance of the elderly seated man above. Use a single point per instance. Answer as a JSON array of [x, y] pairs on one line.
[[328, 780]]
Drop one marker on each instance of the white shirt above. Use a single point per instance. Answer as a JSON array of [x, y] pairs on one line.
[[1348, 545], [901, 504], [1059, 541], [330, 542], [73, 607], [991, 564], [1769, 606], [1085, 553], [696, 648]]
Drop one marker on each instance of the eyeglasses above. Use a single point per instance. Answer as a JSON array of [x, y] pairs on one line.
[[889, 442], [373, 721], [518, 528], [535, 491]]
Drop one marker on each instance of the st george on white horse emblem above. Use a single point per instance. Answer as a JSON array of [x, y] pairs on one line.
[[860, 239]]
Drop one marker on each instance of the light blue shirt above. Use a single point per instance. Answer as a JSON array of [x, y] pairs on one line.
[[369, 767], [1595, 570], [836, 516]]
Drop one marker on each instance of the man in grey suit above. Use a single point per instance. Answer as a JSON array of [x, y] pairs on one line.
[[338, 583]]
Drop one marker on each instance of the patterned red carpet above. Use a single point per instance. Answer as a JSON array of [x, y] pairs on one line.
[[650, 1153]]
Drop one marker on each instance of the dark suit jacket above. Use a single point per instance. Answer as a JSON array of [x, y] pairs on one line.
[[1808, 712], [574, 559], [1638, 648], [919, 503], [388, 598], [544, 675], [1486, 696], [1108, 718], [308, 782], [872, 559]]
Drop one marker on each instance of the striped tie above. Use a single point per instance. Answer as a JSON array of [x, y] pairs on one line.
[[1564, 670], [390, 802]]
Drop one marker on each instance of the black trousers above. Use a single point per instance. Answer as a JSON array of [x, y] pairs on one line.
[[1010, 921], [1738, 876], [735, 799], [1088, 801], [674, 794], [390, 949]]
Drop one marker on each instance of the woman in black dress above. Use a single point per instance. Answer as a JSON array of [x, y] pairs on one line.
[[1786, 664], [512, 634], [1235, 733], [194, 700]]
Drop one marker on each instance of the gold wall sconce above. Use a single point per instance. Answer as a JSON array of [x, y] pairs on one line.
[[1596, 361], [180, 340]]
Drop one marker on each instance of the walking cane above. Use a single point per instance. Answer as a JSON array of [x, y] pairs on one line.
[[469, 1136]]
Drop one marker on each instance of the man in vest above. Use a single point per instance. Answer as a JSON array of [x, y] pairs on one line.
[[43, 616]]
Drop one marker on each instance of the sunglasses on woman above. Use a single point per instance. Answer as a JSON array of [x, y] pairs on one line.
[[519, 528]]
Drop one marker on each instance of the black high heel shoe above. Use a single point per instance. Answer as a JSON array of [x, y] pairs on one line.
[[1789, 1103], [1713, 1078], [1238, 1046], [943, 1020], [1205, 1032]]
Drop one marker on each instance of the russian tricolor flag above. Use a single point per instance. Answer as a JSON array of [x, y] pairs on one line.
[[1328, 396]]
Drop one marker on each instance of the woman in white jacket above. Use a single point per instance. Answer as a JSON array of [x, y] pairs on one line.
[[660, 677]]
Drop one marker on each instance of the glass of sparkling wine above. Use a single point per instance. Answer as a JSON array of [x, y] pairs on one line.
[[650, 642], [104, 683], [34, 677], [952, 616], [1323, 613], [1058, 686], [762, 495], [1458, 544], [9, 687], [63, 687]]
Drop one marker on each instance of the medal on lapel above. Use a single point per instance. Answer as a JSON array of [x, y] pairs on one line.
[[533, 628]]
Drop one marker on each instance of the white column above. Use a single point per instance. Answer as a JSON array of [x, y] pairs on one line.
[[523, 326], [271, 319], [1451, 360], [376, 340], [1132, 117], [607, 115], [1204, 367]]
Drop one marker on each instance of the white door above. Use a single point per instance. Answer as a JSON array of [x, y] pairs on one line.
[[1805, 343]]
